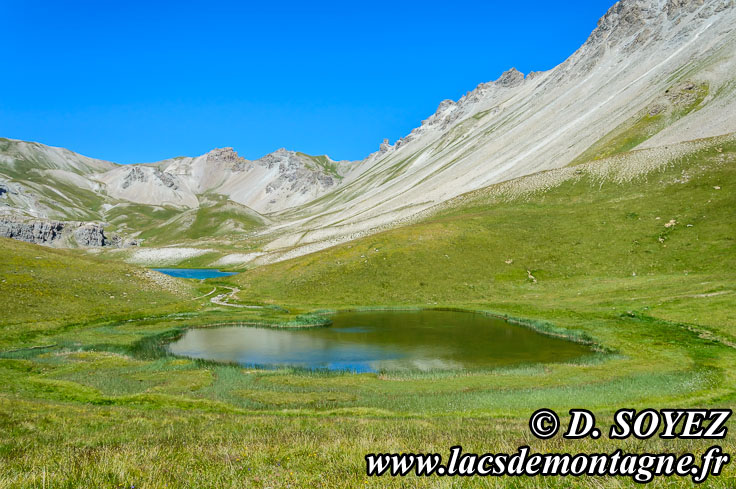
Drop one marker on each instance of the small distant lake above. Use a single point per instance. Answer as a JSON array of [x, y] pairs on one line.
[[198, 273], [382, 341]]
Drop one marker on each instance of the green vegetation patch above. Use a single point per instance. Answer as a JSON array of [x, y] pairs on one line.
[[677, 102]]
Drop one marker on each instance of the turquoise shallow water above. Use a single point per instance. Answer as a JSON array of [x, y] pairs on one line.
[[382, 341], [198, 273]]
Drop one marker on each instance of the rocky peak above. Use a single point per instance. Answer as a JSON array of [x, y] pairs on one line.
[[633, 25], [284, 159], [624, 19], [297, 173], [510, 79], [228, 158], [645, 18], [446, 105], [385, 146], [445, 114]]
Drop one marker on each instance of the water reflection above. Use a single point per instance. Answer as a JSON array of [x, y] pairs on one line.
[[382, 340]]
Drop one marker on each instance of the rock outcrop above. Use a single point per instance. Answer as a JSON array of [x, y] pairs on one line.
[[510, 79], [47, 232], [166, 178], [135, 174], [39, 232], [90, 235], [228, 158], [143, 175], [293, 173]]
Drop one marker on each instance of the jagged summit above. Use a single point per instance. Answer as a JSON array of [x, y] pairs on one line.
[[510, 79], [227, 157]]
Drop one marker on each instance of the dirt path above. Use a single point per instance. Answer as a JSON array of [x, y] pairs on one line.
[[221, 299], [207, 294]]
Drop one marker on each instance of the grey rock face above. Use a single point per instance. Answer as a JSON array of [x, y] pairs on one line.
[[628, 18], [50, 232], [675, 7], [138, 174], [294, 175], [446, 104], [40, 232], [633, 25], [385, 146], [285, 160], [135, 174], [90, 235], [166, 178], [511, 78], [227, 157]]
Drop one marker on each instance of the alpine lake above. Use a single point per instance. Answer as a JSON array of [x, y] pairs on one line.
[[382, 340]]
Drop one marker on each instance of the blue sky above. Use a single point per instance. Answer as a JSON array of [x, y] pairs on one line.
[[143, 81]]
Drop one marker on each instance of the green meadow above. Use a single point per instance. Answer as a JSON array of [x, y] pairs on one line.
[[638, 263]]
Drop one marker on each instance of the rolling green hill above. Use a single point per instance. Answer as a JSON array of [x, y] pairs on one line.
[[217, 217], [44, 290]]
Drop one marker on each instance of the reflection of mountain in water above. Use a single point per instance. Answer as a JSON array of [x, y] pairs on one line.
[[374, 341]]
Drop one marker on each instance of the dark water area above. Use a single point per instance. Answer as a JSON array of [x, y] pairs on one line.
[[382, 341], [198, 273]]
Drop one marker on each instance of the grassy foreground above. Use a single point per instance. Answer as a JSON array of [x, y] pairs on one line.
[[641, 262]]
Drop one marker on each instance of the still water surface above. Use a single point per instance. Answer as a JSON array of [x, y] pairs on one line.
[[381, 341], [198, 273]]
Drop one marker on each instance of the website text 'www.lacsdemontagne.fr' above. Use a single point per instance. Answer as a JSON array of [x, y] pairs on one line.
[[642, 468]]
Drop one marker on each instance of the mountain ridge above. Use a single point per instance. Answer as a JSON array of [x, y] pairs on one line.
[[623, 88]]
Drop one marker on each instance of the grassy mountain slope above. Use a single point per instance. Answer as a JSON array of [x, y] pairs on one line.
[[217, 217], [43, 289]]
